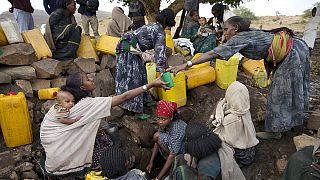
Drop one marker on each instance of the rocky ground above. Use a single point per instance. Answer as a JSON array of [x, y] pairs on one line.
[[271, 157]]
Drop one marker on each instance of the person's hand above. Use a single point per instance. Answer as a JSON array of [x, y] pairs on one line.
[[210, 20], [149, 167], [176, 69], [78, 118], [159, 83]]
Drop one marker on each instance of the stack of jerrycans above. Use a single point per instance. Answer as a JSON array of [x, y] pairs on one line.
[[15, 119], [256, 69]]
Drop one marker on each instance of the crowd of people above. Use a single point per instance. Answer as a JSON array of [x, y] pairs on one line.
[[216, 150]]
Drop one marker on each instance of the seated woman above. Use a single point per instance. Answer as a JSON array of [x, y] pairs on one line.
[[207, 157], [233, 123], [69, 148], [119, 24], [62, 34], [169, 138]]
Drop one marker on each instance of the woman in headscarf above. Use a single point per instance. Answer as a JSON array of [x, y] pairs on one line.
[[62, 34], [233, 123], [169, 140], [285, 55], [191, 25], [131, 71], [119, 24]]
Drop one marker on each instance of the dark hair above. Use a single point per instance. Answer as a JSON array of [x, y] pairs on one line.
[[243, 23], [193, 12], [314, 9], [166, 18], [73, 84], [113, 162], [64, 3], [219, 8], [200, 141]]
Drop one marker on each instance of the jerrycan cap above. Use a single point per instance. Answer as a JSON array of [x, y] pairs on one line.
[[54, 94], [11, 93]]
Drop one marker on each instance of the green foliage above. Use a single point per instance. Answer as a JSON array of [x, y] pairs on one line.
[[306, 13], [245, 12]]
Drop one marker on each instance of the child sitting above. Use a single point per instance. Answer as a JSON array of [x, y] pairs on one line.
[[65, 101], [169, 140], [204, 29]]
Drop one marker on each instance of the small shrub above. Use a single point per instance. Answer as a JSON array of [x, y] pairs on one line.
[[245, 12]]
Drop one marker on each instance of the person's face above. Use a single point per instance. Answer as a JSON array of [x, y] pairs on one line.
[[67, 101], [72, 7], [195, 17], [229, 31], [87, 83], [215, 13], [163, 121], [313, 12], [202, 21]]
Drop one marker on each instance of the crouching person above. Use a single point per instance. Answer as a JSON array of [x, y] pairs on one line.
[[169, 140]]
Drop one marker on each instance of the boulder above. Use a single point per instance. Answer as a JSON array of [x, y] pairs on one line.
[[38, 117], [87, 65], [116, 112], [106, 83], [25, 87], [47, 105], [4, 78], [30, 105], [186, 113], [20, 72], [58, 82], [23, 167], [314, 120], [108, 62], [73, 68], [66, 65], [30, 175], [14, 176], [40, 84], [47, 68], [98, 68], [18, 54], [141, 131], [303, 141]]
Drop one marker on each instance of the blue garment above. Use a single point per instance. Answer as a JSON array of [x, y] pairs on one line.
[[209, 166], [50, 5], [173, 136], [288, 95], [24, 19]]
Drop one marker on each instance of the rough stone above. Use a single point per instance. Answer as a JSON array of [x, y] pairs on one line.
[[175, 60], [14, 176], [30, 105], [314, 120], [87, 65], [6, 171], [5, 88], [4, 78], [18, 54], [141, 131], [30, 175], [303, 141], [58, 82], [47, 68], [20, 72], [40, 84], [105, 82], [25, 166], [186, 113], [38, 117], [31, 115], [47, 105], [98, 68], [25, 87], [96, 92], [65, 65], [108, 62], [258, 105], [282, 163], [116, 112], [73, 68]]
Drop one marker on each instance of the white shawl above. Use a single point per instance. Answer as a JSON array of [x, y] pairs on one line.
[[310, 30], [233, 119], [69, 148]]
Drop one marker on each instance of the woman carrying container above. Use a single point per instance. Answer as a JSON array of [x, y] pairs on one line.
[[288, 59], [131, 71], [69, 148], [62, 34]]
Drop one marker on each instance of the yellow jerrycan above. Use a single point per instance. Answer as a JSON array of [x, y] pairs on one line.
[[86, 49], [169, 40], [15, 119], [95, 175], [107, 44], [178, 92], [199, 65], [151, 76], [226, 71], [200, 76], [49, 93], [256, 69], [39, 44], [3, 38]]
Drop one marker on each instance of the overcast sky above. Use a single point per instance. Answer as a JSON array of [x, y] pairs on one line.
[[259, 7]]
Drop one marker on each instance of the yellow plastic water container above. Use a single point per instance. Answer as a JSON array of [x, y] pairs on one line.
[[169, 40], [199, 65], [226, 71], [15, 120], [200, 76], [256, 69], [107, 44], [95, 175], [3, 38], [39, 44], [151, 76], [93, 42], [49, 93], [176, 94], [86, 49]]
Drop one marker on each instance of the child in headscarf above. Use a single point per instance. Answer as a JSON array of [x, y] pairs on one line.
[[233, 123], [119, 24], [169, 139]]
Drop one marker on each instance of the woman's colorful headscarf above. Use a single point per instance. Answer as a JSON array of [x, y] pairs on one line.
[[166, 108]]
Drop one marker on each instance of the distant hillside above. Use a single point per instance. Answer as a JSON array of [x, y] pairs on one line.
[[41, 17]]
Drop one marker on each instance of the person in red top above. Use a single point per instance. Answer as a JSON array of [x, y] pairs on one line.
[[22, 11]]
